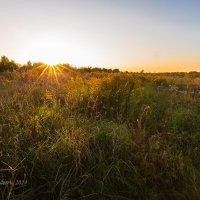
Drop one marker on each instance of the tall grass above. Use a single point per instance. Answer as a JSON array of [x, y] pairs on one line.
[[98, 136]]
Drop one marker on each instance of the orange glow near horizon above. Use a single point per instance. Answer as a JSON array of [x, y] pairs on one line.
[[55, 49]]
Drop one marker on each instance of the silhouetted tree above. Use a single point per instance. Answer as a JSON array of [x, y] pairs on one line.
[[7, 65], [116, 71], [97, 69], [194, 74], [27, 66], [142, 71]]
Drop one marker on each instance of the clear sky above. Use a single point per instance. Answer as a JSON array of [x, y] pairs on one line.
[[154, 35]]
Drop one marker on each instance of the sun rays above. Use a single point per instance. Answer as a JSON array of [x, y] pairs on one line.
[[51, 72]]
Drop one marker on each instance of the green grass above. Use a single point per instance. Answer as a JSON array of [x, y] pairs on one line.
[[99, 136]]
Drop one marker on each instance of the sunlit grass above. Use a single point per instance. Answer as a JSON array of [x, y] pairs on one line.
[[98, 136]]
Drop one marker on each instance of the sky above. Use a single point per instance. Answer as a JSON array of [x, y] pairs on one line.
[[133, 35]]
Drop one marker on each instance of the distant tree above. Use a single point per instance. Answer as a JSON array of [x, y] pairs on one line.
[[7, 65], [4, 63], [97, 69], [104, 70], [194, 74], [26, 66], [116, 71], [29, 64], [142, 71]]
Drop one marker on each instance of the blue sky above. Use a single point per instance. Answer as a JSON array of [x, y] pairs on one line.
[[154, 35]]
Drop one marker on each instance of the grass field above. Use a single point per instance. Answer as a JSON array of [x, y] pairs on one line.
[[78, 134]]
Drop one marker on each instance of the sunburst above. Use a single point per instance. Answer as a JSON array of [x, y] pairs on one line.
[[52, 72]]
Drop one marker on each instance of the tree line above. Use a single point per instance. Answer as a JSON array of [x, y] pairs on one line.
[[8, 65]]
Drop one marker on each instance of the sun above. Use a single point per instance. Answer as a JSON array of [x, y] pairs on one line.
[[54, 48]]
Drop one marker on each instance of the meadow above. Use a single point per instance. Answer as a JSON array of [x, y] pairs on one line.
[[68, 133]]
